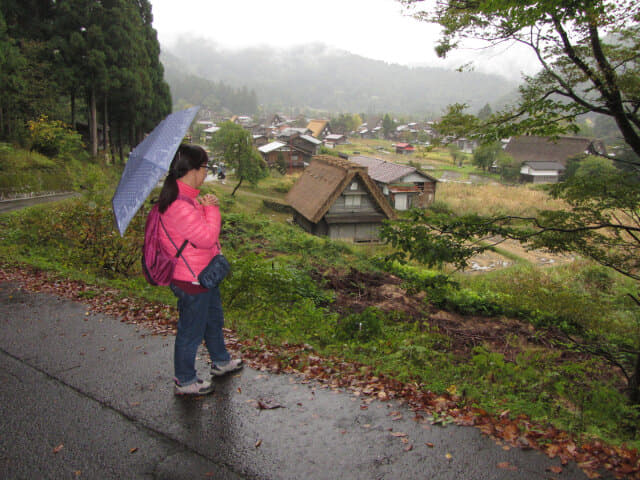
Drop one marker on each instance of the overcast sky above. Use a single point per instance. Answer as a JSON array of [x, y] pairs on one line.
[[375, 29]]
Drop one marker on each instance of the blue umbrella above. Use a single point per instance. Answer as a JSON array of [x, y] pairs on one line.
[[147, 164]]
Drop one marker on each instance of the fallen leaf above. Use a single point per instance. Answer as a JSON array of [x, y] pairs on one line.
[[408, 448], [429, 444], [398, 434], [507, 466], [58, 448], [258, 443], [269, 404], [555, 469], [448, 456], [133, 450], [239, 390]]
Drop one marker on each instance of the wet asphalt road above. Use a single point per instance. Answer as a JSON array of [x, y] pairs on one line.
[[18, 203], [86, 396]]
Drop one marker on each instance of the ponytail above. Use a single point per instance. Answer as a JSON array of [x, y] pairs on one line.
[[188, 157]]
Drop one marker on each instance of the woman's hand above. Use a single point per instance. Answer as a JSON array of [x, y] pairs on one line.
[[210, 200]]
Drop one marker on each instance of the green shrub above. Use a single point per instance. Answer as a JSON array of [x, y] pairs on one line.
[[53, 138], [363, 326], [79, 234]]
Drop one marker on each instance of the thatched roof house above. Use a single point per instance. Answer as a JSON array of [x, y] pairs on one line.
[[337, 198], [543, 159], [319, 128]]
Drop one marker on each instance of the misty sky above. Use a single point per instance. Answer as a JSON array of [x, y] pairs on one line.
[[375, 29]]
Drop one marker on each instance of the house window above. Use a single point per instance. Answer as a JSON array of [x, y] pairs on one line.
[[352, 201], [354, 186]]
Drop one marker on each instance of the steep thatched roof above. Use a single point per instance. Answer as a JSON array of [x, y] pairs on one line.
[[543, 149], [317, 127], [324, 180]]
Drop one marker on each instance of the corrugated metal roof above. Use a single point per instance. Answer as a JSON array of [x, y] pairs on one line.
[[270, 147], [309, 138]]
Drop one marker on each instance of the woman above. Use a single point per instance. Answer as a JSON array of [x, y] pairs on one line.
[[186, 216]]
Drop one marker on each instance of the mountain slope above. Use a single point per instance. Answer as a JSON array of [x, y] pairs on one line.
[[316, 77]]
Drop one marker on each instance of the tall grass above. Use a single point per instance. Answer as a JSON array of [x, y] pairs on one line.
[[494, 199], [24, 172]]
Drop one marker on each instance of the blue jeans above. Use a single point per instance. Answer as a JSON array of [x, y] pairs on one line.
[[201, 318]]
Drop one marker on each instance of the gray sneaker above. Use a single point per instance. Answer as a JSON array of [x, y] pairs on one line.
[[199, 387], [231, 366]]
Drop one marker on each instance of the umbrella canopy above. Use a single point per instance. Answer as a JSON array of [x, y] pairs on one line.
[[147, 164]]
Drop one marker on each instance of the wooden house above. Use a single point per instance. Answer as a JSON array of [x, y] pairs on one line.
[[404, 186], [285, 156], [306, 144], [543, 159], [260, 140], [336, 198], [288, 133], [466, 145], [404, 148], [335, 139], [372, 128], [279, 120]]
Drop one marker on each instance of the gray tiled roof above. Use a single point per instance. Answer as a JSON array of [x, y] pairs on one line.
[[385, 172]]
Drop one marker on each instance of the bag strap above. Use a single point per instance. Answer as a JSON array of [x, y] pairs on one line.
[[178, 250]]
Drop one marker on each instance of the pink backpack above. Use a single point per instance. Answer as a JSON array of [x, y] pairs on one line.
[[157, 264]]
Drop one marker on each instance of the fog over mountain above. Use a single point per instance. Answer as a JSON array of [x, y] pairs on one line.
[[320, 78]]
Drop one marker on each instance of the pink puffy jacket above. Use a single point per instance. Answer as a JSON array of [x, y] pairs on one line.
[[199, 224]]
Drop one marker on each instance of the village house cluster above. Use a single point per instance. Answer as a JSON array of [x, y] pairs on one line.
[[347, 197]]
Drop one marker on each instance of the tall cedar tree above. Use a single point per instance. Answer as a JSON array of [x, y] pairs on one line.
[[105, 54]]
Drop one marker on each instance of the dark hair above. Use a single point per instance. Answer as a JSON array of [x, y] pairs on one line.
[[188, 157]]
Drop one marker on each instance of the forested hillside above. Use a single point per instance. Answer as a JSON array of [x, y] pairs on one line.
[[189, 89], [93, 65], [316, 77]]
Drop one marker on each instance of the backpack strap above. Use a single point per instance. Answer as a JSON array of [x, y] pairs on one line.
[[178, 250]]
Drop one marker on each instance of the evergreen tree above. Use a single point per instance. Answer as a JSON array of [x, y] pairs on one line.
[[12, 63], [388, 126]]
